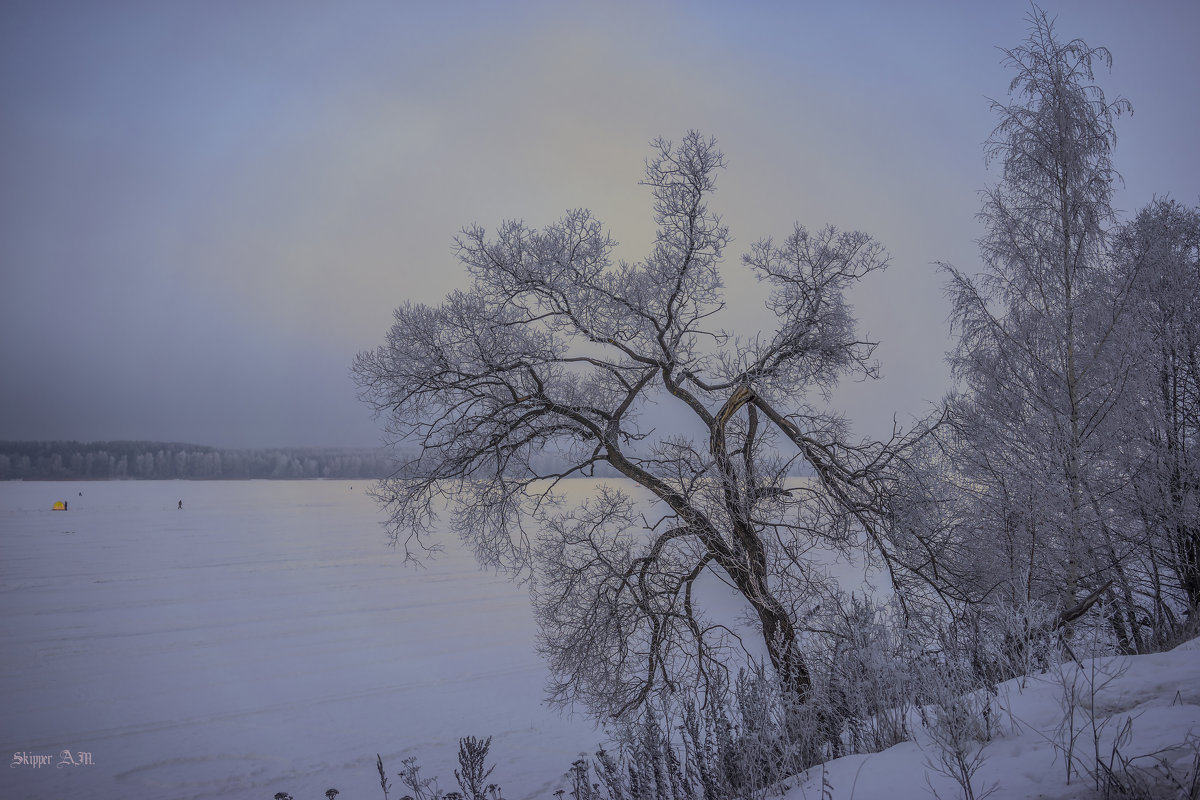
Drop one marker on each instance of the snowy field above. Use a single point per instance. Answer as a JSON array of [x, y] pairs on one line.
[[265, 638]]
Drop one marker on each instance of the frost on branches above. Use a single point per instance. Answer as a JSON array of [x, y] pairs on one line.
[[556, 348]]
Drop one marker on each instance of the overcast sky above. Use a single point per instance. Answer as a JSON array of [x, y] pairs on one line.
[[207, 208]]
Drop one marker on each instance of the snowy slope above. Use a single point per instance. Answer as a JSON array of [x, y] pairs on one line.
[[1149, 705]]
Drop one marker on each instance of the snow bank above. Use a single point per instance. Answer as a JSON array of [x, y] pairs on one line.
[[1148, 707]]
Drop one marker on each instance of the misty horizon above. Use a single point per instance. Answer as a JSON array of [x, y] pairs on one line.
[[207, 213]]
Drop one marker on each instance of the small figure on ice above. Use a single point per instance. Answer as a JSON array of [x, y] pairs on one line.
[[180, 505]]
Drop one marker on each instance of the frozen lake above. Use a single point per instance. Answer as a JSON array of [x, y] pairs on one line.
[[265, 638]]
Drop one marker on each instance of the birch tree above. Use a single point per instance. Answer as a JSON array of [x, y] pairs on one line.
[[1158, 252], [557, 348], [1037, 359]]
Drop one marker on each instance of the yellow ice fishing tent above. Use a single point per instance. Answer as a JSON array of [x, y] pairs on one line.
[[60, 506]]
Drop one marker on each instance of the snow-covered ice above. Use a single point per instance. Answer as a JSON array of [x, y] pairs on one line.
[[265, 638]]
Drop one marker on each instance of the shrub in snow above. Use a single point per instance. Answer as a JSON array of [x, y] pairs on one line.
[[472, 774], [957, 718], [866, 660]]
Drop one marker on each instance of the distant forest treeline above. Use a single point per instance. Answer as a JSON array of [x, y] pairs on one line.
[[174, 460], [128, 460]]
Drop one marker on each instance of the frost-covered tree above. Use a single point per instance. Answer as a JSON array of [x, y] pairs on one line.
[[1158, 253], [557, 349], [1037, 360]]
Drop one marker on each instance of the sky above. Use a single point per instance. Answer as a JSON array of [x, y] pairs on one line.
[[207, 209]]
